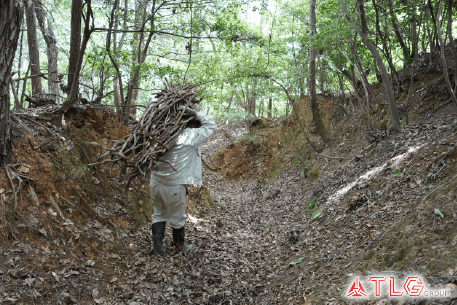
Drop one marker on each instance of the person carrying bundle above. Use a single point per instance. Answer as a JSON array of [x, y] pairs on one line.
[[179, 166]]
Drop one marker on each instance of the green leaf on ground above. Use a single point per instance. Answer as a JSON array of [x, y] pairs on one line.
[[397, 173], [438, 212], [318, 213], [297, 261]]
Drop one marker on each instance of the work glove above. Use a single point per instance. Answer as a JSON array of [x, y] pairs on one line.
[[188, 113]]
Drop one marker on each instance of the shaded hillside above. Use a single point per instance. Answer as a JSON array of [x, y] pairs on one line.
[[370, 203]]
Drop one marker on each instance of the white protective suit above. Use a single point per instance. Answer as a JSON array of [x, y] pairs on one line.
[[168, 187]]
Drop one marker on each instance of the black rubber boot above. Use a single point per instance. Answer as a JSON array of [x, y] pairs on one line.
[[158, 233], [178, 239]]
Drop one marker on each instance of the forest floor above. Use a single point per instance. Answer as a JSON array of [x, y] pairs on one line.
[[296, 235]]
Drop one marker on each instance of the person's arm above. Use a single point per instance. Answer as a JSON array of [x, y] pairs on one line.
[[199, 135]]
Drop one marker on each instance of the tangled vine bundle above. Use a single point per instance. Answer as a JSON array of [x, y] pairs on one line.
[[157, 130]]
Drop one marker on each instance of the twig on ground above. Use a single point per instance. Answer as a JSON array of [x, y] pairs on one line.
[[56, 207], [218, 258], [33, 195], [7, 170], [187, 262], [68, 201], [241, 220], [338, 158]]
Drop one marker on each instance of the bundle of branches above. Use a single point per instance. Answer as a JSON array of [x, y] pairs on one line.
[[158, 129]]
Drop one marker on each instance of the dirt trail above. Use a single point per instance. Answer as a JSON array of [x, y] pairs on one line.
[[251, 233], [88, 262]]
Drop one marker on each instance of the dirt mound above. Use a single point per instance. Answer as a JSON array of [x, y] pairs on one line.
[[49, 170], [244, 158], [75, 233], [262, 152]]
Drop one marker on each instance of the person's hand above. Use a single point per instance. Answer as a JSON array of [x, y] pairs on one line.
[[188, 112]]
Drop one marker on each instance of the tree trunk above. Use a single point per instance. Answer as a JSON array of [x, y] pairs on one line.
[[341, 84], [404, 48], [138, 38], [435, 33], [422, 40], [11, 13], [301, 83], [252, 102], [350, 77], [415, 38], [75, 39], [142, 53], [24, 85], [34, 53], [118, 87], [363, 79], [230, 102], [261, 108], [270, 106], [320, 128], [443, 56], [51, 49], [116, 96], [395, 127], [72, 98], [451, 41], [253, 98], [385, 48], [429, 34], [17, 104]]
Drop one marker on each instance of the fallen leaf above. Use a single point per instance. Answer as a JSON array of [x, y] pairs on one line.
[[23, 168], [317, 213], [438, 212], [297, 261]]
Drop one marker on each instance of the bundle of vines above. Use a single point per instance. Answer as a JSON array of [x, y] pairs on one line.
[[157, 130]]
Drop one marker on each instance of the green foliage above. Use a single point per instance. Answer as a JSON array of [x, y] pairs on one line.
[[249, 45], [397, 173], [312, 204], [245, 138], [314, 173]]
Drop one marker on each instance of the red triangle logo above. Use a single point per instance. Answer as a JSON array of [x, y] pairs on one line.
[[357, 289]]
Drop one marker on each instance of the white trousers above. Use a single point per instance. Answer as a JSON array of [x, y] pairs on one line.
[[170, 202]]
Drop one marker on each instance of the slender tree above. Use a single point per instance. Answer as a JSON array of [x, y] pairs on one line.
[[74, 89], [141, 55], [34, 53], [51, 48], [75, 39], [395, 127], [451, 40], [11, 14], [443, 56], [320, 128], [406, 54]]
